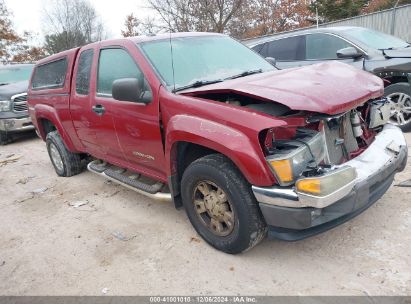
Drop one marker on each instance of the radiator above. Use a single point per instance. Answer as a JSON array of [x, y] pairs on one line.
[[339, 137]]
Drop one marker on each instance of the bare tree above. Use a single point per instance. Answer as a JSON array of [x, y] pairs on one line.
[[135, 26], [271, 16], [132, 25], [71, 23], [15, 47], [196, 15]]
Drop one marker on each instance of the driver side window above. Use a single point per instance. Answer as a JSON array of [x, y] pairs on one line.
[[323, 46], [116, 63]]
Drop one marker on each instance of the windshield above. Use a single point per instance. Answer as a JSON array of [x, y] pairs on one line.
[[15, 73], [202, 59], [376, 39]]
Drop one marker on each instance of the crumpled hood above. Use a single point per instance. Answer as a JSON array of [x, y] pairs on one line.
[[398, 53], [329, 88], [8, 90]]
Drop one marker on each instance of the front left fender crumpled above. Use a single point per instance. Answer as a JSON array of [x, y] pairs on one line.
[[245, 153]]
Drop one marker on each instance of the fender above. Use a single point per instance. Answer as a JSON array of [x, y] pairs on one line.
[[43, 111], [245, 153]]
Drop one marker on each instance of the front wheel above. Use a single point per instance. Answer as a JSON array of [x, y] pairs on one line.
[[399, 96], [65, 162], [220, 205]]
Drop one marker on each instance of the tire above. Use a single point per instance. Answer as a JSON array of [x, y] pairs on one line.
[[65, 163], [399, 94], [4, 138], [247, 226]]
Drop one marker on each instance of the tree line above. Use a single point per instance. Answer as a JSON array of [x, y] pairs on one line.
[[72, 23]]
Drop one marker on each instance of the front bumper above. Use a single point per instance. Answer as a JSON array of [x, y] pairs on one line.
[[293, 216], [16, 124]]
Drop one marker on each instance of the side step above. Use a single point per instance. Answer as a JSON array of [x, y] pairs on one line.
[[130, 180]]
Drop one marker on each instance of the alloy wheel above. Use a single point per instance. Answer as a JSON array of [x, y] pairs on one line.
[[400, 108], [56, 157], [213, 208]]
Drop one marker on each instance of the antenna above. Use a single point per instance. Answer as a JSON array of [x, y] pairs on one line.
[[172, 62]]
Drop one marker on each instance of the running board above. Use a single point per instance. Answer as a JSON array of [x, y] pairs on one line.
[[130, 181]]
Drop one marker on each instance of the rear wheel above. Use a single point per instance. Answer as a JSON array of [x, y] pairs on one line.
[[220, 205], [399, 96], [65, 163]]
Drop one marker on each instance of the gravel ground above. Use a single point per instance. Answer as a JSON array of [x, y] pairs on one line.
[[122, 243]]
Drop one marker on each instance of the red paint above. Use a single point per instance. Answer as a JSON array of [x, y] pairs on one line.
[[330, 87], [233, 131]]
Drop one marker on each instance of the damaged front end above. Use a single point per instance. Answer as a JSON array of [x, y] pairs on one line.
[[329, 168]]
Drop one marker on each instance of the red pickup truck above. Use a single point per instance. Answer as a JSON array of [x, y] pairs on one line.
[[200, 119]]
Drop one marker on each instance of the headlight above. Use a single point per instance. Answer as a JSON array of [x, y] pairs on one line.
[[321, 186], [291, 158], [4, 105]]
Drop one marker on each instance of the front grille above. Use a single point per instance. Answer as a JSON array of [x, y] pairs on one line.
[[339, 137], [19, 103]]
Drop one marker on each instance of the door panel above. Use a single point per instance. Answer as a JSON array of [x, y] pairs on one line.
[[136, 125]]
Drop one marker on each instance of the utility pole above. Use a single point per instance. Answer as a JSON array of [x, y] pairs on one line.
[[394, 12]]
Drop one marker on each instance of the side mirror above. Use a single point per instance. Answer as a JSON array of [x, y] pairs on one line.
[[349, 52], [130, 89], [271, 60]]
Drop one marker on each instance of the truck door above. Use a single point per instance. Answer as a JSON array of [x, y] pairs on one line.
[[137, 125], [93, 123]]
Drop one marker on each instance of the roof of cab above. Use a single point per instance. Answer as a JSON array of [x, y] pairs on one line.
[[135, 39], [140, 39], [68, 53]]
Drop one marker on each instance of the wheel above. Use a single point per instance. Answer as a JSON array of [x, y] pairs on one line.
[[399, 95], [4, 138], [220, 205], [65, 163]]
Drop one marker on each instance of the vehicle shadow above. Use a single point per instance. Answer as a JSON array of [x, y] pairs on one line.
[[22, 137]]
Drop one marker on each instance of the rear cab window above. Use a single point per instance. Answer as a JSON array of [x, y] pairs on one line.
[[84, 72], [50, 75]]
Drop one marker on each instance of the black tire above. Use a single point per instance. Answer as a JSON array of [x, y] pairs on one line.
[[4, 138], [401, 88], [249, 226], [70, 162]]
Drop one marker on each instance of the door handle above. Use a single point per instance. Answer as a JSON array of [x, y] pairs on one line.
[[98, 109]]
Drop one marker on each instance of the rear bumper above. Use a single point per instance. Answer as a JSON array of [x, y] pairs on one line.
[[16, 124], [288, 216]]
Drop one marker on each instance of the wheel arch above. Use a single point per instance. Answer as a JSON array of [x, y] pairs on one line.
[[189, 138], [47, 121]]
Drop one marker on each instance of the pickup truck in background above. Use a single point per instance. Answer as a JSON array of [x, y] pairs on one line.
[[14, 116], [200, 119]]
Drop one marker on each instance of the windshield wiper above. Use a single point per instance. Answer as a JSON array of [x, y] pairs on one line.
[[3, 83], [246, 73], [196, 84]]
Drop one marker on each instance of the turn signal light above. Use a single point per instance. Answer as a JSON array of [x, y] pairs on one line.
[[328, 183], [283, 170], [312, 186]]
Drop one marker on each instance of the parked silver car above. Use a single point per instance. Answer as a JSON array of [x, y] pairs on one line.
[[381, 54]]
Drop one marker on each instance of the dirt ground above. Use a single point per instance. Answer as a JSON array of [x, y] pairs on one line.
[[122, 243]]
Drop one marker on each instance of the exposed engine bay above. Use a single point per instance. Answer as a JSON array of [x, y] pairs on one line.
[[312, 143], [326, 141]]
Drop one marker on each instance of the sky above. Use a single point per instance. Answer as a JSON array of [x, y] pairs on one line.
[[27, 14]]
